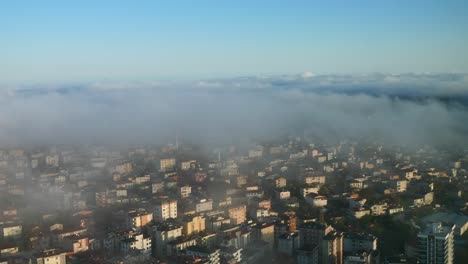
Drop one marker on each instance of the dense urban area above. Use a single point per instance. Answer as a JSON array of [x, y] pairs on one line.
[[285, 201]]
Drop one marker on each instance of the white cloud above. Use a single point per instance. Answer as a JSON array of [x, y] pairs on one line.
[[326, 105], [209, 84], [307, 75]]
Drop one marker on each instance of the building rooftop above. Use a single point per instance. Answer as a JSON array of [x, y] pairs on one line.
[[437, 228], [202, 249], [313, 225], [48, 253], [451, 218], [288, 236], [396, 260], [362, 236], [167, 226]]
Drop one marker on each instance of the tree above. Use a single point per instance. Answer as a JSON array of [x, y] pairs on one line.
[[368, 193], [324, 190]]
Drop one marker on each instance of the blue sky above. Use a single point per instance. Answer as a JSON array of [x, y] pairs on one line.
[[43, 41]]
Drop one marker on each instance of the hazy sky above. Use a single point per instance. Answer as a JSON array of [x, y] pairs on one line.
[[139, 40]]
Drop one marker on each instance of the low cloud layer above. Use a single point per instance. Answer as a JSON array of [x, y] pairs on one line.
[[400, 109]]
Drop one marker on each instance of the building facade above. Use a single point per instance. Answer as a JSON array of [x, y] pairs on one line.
[[435, 244]]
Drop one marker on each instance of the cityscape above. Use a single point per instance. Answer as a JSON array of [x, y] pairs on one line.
[[285, 201], [234, 132]]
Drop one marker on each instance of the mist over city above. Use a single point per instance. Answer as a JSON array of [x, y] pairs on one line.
[[218, 132], [399, 109]]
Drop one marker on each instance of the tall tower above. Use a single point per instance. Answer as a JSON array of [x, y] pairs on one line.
[[435, 244], [332, 248]]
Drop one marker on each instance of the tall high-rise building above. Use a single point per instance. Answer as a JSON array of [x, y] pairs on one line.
[[193, 224], [162, 235], [50, 256], [238, 214], [435, 244], [165, 210], [332, 248], [311, 235], [353, 242], [137, 219], [167, 164]]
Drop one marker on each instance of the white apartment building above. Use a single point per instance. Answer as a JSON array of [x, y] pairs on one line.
[[165, 210], [51, 256], [204, 205], [316, 200], [309, 189], [167, 164], [185, 191], [163, 234]]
